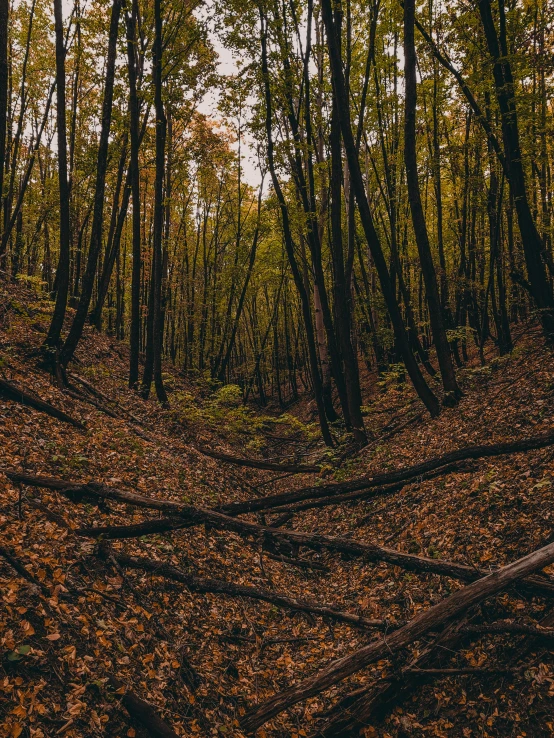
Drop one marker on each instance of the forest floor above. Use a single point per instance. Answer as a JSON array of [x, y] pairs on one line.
[[203, 659]]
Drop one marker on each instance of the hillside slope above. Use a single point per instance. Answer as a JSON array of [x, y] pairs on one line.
[[87, 629]]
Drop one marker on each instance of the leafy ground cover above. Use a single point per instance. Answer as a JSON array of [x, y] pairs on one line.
[[203, 660]]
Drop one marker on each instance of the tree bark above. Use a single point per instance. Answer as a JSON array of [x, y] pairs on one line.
[[134, 334], [451, 389], [76, 330], [153, 367], [434, 617], [421, 386], [18, 395], [4, 15], [52, 341]]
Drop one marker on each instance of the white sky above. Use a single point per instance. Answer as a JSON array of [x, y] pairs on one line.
[[227, 67]]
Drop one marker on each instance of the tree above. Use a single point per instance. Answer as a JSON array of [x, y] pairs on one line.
[[423, 390], [62, 272], [81, 314], [134, 173], [4, 70], [153, 364], [451, 389]]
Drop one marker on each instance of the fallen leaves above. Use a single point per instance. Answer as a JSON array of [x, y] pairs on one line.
[[147, 633]]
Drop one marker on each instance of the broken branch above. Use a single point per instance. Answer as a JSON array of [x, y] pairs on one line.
[[435, 616]]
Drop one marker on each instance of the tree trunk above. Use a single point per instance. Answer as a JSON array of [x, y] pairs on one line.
[[533, 246], [79, 320], [4, 14], [342, 289], [421, 386], [289, 246], [451, 390], [52, 341], [157, 267]]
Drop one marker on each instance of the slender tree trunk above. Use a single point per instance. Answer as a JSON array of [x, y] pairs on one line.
[[62, 273], [4, 15], [289, 246], [157, 265], [238, 313], [533, 246], [341, 288], [421, 386], [17, 140], [451, 389], [79, 320], [112, 244], [323, 354], [134, 336]]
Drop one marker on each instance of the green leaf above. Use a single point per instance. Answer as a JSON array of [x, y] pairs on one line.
[[19, 652]]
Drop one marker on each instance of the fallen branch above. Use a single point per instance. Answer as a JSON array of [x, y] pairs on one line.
[[455, 672], [217, 586], [22, 571], [72, 391], [368, 551], [513, 628], [258, 464], [298, 562], [311, 504], [188, 515], [143, 712], [385, 478], [11, 391], [95, 391], [434, 617], [365, 705]]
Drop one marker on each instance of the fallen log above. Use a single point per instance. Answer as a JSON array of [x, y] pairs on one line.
[[352, 496], [513, 628], [38, 481], [298, 562], [95, 391], [368, 704], [14, 562], [368, 551], [12, 392], [438, 615], [385, 478], [77, 395], [217, 586], [447, 462], [143, 712], [188, 515], [258, 463]]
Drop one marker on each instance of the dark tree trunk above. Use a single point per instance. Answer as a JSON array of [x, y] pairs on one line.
[[533, 246], [4, 14], [451, 390], [78, 324], [421, 386], [62, 273], [134, 336], [341, 288], [112, 245], [157, 266]]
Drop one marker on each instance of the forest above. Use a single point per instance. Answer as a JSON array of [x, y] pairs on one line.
[[276, 368]]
